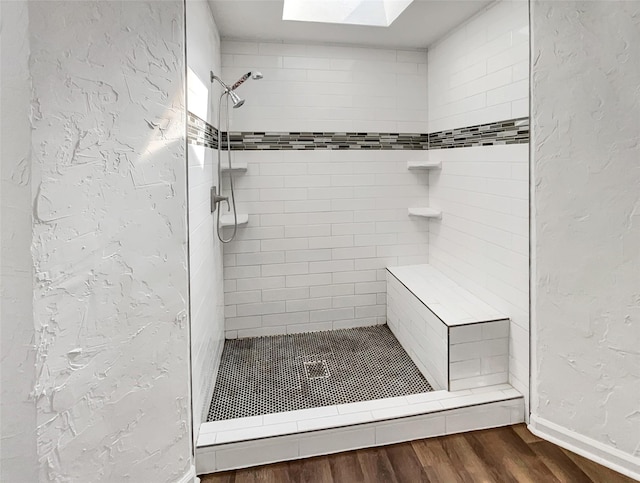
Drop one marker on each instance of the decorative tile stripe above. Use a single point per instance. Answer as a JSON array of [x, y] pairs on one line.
[[251, 141], [200, 132], [512, 131]]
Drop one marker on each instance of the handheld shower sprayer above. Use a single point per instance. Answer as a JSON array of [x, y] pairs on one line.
[[239, 82], [237, 100], [228, 93]]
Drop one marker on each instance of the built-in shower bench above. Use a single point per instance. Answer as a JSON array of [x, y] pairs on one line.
[[457, 340]]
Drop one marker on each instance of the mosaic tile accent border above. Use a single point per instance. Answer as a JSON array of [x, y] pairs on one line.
[[200, 132], [274, 141], [511, 131]]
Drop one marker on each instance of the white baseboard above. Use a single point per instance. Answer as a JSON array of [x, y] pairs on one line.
[[613, 458], [189, 476]]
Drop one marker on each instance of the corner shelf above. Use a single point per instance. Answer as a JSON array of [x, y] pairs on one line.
[[424, 165], [227, 220], [235, 168], [425, 212], [243, 218]]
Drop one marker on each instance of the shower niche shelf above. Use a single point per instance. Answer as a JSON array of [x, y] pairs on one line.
[[235, 168], [227, 220], [420, 165], [425, 212]]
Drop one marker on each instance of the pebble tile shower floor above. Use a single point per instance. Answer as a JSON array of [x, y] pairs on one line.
[[264, 375]]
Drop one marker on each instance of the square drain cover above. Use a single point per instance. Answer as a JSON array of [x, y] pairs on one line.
[[316, 369]]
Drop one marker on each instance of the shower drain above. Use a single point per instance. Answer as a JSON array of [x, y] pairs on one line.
[[316, 369]]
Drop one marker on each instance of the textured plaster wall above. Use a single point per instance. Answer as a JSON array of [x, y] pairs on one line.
[[17, 372], [586, 168], [109, 241], [205, 250]]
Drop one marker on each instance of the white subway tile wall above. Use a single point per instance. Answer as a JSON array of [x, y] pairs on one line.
[[328, 88], [480, 72], [478, 355], [420, 332], [314, 253], [205, 251], [482, 239], [323, 225]]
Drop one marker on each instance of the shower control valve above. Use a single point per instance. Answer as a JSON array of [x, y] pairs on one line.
[[216, 199]]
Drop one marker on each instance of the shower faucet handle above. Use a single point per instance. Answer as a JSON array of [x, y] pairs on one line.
[[216, 199]]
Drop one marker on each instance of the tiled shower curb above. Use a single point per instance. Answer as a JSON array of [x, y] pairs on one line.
[[245, 442]]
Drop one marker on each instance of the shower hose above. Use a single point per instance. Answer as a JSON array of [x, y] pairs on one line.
[[230, 205]]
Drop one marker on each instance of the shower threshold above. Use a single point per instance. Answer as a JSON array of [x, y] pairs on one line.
[[268, 436], [258, 440]]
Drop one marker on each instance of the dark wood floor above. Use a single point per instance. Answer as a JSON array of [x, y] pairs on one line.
[[510, 454]]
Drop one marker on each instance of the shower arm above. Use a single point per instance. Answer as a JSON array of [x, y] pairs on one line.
[[215, 77]]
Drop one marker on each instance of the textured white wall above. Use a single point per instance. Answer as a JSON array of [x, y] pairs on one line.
[[328, 88], [480, 72], [482, 241], [109, 241], [586, 147], [205, 250], [18, 412], [323, 224]]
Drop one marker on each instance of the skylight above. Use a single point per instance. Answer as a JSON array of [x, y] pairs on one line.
[[378, 13]]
